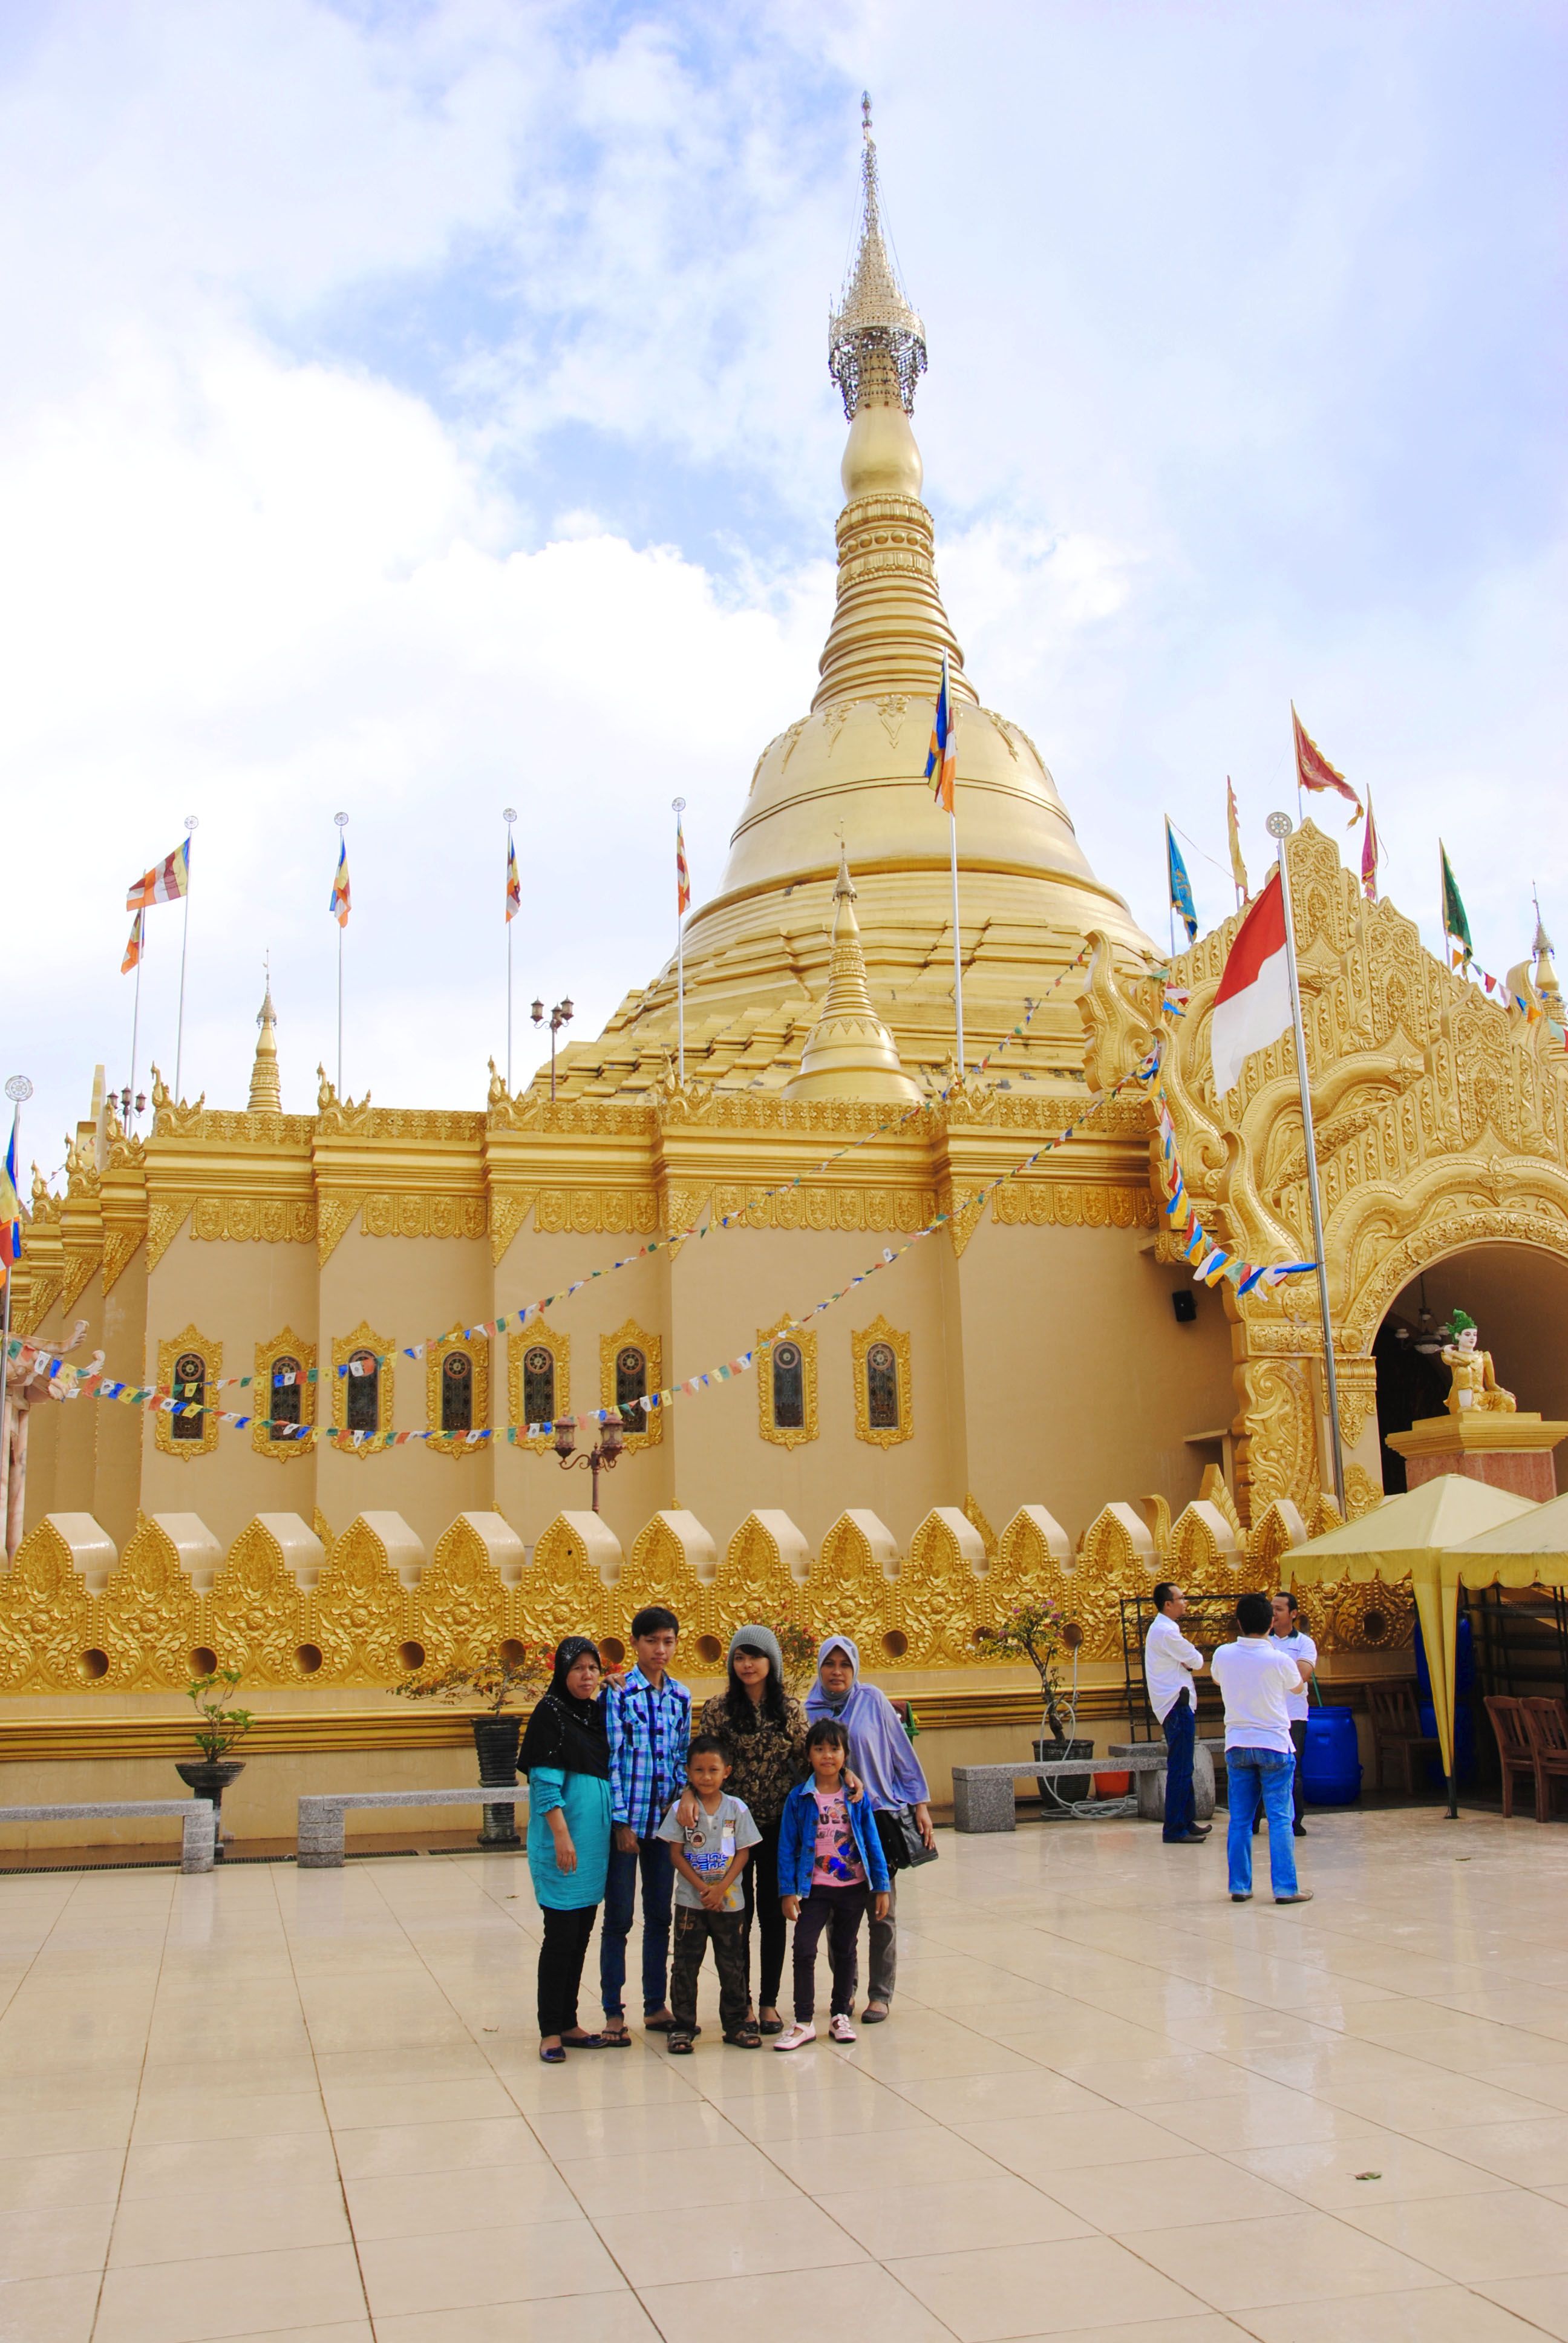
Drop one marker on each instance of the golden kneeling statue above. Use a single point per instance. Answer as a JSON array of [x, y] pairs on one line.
[[1475, 1384]]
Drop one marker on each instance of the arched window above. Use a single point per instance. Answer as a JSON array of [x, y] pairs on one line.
[[789, 1387], [457, 1392], [189, 1421], [287, 1393], [362, 1393], [632, 1383], [882, 1387], [539, 1383]]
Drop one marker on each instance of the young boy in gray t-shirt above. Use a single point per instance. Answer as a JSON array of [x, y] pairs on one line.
[[709, 1856]]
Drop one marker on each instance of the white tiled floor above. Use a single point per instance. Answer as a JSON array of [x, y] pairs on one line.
[[307, 2108]]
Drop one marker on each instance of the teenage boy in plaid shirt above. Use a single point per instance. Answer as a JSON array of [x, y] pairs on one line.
[[649, 1725]]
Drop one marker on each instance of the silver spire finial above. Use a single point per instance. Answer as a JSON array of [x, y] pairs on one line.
[[876, 340]]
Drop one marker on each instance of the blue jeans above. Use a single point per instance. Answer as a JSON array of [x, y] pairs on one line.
[[1267, 1774], [1181, 1733], [652, 1859]]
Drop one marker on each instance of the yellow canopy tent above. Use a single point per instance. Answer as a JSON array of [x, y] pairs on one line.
[[1412, 1533], [1531, 1550]]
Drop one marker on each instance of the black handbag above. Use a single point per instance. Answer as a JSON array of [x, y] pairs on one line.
[[903, 1845]]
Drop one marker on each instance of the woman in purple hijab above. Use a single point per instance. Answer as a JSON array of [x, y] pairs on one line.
[[882, 1754]]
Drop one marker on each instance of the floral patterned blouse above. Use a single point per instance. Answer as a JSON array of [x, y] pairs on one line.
[[767, 1762]]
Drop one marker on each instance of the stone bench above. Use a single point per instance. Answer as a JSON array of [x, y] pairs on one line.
[[1206, 1754], [983, 1796], [321, 1818], [199, 1817]]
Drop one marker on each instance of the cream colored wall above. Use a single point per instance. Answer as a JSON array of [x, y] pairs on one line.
[[1080, 1385]]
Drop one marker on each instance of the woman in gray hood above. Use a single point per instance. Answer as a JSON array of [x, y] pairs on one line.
[[763, 1729]]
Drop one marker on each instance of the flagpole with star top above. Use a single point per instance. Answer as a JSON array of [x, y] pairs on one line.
[[340, 914], [682, 905], [514, 905]]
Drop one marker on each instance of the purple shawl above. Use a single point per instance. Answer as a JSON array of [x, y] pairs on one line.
[[880, 1751]]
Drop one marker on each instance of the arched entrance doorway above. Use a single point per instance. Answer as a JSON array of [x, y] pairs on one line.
[[1517, 1293]]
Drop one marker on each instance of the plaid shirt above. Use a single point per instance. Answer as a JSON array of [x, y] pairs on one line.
[[649, 1733]]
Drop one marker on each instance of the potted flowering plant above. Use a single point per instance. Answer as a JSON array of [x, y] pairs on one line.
[[490, 1679], [1035, 1630], [217, 1729]]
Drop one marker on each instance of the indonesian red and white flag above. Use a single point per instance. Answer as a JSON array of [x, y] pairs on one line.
[[1253, 1006]]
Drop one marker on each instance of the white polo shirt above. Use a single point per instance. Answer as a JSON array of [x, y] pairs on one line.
[[1304, 1652], [1255, 1676], [1169, 1660]]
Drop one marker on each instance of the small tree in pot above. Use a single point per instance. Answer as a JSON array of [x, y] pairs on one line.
[[1036, 1631], [504, 1670], [217, 1729]]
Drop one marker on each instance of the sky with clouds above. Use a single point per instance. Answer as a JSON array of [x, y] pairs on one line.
[[416, 409]]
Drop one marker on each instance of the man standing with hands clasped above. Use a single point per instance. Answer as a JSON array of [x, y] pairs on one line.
[[1256, 1675], [1169, 1665]]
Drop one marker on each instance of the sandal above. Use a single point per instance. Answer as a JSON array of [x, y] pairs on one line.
[[584, 2042], [666, 2025], [678, 2045], [614, 2034], [746, 2037]]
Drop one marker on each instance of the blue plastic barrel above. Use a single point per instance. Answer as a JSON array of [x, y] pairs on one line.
[[1331, 1769]]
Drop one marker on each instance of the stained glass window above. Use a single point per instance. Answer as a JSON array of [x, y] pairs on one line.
[[539, 1383], [288, 1391], [362, 1400], [882, 1387], [190, 1384], [456, 1391], [789, 1388], [632, 1383]]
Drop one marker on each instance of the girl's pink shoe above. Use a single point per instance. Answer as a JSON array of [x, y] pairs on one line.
[[795, 2037], [840, 2028]]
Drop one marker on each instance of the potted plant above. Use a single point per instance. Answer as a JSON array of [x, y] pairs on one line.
[[492, 1678], [798, 1649], [217, 1729], [1036, 1631]]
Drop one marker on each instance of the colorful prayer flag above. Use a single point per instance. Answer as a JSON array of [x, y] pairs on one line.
[[1182, 901], [338, 906], [134, 945], [682, 874], [514, 884], [166, 882], [1314, 771], [1232, 824], [942, 758], [1371, 855], [1455, 926]]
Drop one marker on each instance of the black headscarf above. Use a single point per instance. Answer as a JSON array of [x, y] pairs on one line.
[[564, 1731]]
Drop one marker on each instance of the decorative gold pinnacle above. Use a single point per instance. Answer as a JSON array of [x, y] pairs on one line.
[[876, 340], [849, 1052], [265, 1092]]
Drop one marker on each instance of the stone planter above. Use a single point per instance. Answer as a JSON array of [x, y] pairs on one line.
[[496, 1741], [205, 1778]]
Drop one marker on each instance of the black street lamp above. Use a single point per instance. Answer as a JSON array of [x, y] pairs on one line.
[[601, 1456], [561, 1014]]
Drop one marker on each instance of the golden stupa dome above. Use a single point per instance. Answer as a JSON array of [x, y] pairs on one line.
[[853, 769]]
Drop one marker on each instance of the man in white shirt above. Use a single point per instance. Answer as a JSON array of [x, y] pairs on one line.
[[1256, 1675], [1169, 1665], [1288, 1631]]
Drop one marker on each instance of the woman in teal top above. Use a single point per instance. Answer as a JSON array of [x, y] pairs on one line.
[[566, 1757]]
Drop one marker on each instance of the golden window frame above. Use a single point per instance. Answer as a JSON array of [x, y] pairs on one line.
[[652, 1349], [806, 1343], [559, 1346], [363, 1338], [284, 1345], [882, 1435], [478, 1349], [211, 1352]]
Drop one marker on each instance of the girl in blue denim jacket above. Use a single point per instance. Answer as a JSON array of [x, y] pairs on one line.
[[832, 1872]]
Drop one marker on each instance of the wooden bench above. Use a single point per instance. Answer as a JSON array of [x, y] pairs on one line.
[[198, 1816], [322, 1818]]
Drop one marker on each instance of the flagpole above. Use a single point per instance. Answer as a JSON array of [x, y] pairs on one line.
[[509, 815], [677, 807], [191, 823], [1279, 828], [16, 1090], [342, 822], [958, 940]]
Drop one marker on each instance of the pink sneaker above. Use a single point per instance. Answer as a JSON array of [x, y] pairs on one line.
[[795, 2037], [840, 2029]]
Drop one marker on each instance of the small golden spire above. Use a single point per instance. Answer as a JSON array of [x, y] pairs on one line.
[[849, 1052], [265, 1093]]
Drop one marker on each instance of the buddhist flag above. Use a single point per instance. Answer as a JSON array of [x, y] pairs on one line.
[[514, 884], [1252, 1005], [1233, 826], [338, 906], [1455, 926], [10, 1205], [166, 882], [682, 874], [133, 946], [1182, 901], [942, 758], [1371, 853], [1314, 771]]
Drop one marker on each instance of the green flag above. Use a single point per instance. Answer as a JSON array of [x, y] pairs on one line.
[[1454, 923]]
